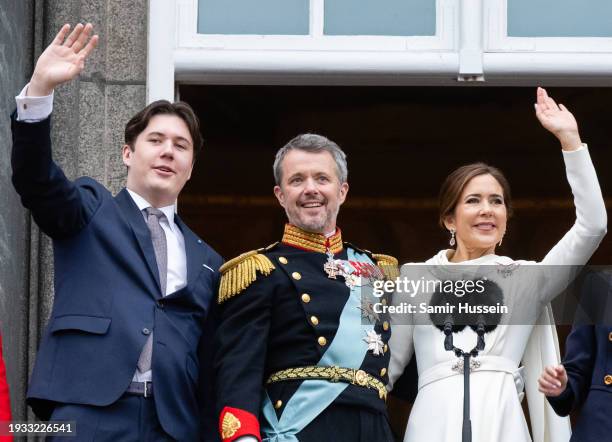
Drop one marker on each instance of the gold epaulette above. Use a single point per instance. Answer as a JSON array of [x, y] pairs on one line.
[[388, 264], [240, 272]]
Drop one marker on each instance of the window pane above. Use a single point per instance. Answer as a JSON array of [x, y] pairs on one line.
[[288, 17], [559, 18], [380, 17]]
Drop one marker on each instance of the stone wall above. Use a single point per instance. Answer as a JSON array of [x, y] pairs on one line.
[[87, 133]]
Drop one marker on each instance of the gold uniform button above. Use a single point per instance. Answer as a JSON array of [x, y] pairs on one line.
[[385, 326], [283, 260], [386, 348], [305, 298], [314, 320], [383, 372], [608, 379], [610, 337], [322, 341], [278, 404], [296, 275]]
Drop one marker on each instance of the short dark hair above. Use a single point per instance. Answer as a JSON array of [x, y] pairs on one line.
[[140, 121], [453, 186]]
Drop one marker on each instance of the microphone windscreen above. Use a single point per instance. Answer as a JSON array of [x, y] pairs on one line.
[[443, 310], [485, 306]]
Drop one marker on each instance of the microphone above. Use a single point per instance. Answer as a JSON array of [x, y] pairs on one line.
[[488, 314], [448, 332], [444, 313], [478, 309]]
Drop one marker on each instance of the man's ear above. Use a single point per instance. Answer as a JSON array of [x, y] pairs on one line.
[[126, 155], [280, 196], [344, 188]]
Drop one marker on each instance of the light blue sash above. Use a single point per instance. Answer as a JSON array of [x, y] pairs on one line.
[[348, 349]]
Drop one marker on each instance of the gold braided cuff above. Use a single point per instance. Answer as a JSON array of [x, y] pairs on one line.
[[331, 374]]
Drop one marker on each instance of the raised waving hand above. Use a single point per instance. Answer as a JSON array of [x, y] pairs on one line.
[[63, 59]]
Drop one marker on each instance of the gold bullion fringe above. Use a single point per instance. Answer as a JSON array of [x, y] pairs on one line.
[[240, 272]]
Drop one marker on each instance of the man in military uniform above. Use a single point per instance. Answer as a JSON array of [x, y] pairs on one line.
[[301, 353]]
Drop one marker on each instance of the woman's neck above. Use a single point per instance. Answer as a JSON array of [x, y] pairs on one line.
[[466, 254]]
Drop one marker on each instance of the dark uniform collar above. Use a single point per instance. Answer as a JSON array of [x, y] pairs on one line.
[[313, 242]]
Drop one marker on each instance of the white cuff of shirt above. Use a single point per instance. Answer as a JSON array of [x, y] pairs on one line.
[[246, 439], [33, 109]]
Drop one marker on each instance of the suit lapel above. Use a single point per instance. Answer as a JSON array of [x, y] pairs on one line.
[[141, 232], [194, 251]]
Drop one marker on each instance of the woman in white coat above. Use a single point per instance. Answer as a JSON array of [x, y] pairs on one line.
[[474, 208]]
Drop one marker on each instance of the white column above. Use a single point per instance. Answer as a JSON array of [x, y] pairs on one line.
[[160, 50], [471, 40]]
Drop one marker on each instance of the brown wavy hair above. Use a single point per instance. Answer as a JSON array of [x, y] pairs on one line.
[[455, 182]]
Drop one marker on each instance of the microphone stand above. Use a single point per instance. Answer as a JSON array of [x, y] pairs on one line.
[[466, 430]]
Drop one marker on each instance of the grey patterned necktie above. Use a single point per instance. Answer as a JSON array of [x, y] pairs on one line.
[[161, 256]]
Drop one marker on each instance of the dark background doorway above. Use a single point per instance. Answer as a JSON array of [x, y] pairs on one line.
[[401, 142]]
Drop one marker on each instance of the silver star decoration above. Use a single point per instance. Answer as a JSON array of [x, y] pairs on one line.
[[367, 310], [374, 342], [352, 281]]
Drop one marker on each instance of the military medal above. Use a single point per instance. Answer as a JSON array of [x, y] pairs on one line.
[[367, 310], [330, 266], [375, 342]]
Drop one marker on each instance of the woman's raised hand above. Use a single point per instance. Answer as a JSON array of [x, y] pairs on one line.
[[558, 120]]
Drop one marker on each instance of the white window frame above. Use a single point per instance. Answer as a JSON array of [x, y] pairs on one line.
[[555, 61], [499, 41], [177, 53], [470, 44], [443, 40]]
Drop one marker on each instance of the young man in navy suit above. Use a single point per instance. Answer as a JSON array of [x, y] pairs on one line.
[[133, 284]]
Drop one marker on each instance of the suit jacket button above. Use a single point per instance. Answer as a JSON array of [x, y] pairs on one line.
[[283, 260], [305, 298], [314, 320], [608, 380], [322, 341], [383, 371], [146, 331], [278, 404], [296, 276]]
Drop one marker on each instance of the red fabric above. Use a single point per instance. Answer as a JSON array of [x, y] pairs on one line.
[[5, 403], [249, 426]]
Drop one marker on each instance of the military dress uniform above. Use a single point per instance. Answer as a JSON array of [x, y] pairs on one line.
[[588, 362], [288, 326]]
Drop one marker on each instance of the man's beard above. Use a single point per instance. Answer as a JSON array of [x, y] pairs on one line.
[[315, 225]]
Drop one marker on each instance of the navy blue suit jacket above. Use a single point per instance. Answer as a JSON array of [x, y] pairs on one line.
[[108, 296], [588, 362]]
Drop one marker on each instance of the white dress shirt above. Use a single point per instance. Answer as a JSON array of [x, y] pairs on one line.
[[33, 109]]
